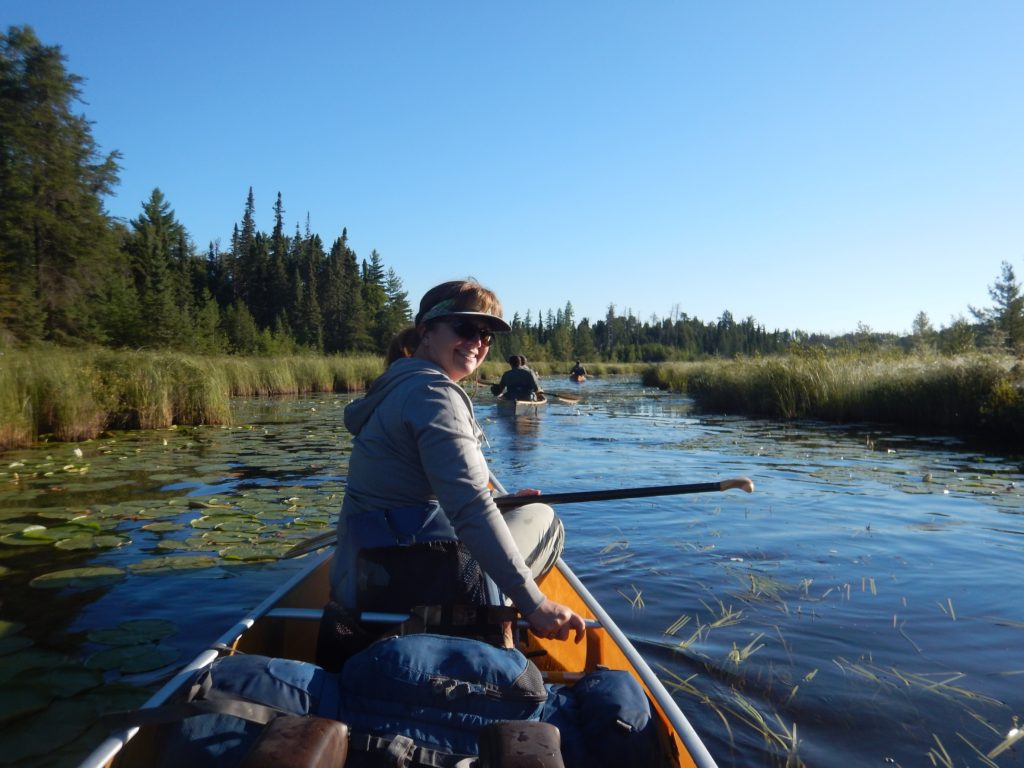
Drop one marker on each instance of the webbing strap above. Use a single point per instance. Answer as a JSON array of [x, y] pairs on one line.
[[171, 713], [402, 752]]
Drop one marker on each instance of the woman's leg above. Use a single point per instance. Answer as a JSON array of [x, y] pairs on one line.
[[538, 533]]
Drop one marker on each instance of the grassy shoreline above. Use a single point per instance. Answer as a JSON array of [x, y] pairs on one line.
[[978, 395], [73, 395]]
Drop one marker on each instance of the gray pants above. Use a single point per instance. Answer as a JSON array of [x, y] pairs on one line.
[[539, 535]]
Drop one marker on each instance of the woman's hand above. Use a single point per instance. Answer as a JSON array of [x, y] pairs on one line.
[[555, 621]]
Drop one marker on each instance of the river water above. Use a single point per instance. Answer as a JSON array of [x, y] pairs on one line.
[[860, 608]]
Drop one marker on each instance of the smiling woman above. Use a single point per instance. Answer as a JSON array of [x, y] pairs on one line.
[[418, 525]]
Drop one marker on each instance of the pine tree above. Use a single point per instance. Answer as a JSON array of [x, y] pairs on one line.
[[277, 284], [158, 264], [375, 300], [1004, 322], [57, 248]]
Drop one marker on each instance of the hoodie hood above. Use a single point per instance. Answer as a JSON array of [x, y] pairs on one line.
[[358, 412]]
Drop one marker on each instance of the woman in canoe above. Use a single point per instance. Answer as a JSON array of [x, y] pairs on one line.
[[418, 524]]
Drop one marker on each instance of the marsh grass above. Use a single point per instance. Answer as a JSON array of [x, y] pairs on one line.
[[976, 393], [70, 395]]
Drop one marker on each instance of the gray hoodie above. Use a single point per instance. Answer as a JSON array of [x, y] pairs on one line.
[[416, 439]]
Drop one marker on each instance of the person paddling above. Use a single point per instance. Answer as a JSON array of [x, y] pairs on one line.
[[519, 382], [418, 524]]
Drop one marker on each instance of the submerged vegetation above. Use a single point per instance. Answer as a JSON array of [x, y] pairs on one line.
[[975, 394]]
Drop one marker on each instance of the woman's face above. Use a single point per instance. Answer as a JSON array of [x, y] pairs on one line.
[[445, 343]]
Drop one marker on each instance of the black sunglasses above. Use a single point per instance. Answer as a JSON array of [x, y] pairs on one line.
[[464, 329]]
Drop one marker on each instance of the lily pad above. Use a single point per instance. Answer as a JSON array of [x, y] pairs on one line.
[[14, 644], [172, 563], [14, 514], [80, 578], [61, 682], [20, 700], [61, 723], [241, 526], [162, 527], [132, 659], [8, 628], [90, 541], [28, 536], [252, 553], [134, 632]]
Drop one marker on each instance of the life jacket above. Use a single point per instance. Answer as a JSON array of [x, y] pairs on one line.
[[400, 558]]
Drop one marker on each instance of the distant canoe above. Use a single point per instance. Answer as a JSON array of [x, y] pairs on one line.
[[520, 407], [579, 378]]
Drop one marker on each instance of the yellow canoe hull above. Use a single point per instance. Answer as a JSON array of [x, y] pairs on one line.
[[287, 623]]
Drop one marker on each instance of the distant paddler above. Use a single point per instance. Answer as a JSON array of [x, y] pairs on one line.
[[578, 372], [519, 382]]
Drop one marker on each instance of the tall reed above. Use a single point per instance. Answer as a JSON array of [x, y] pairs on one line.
[[976, 393], [62, 394]]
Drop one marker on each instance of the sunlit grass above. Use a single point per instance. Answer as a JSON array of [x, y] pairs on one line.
[[70, 395], [977, 393], [636, 600]]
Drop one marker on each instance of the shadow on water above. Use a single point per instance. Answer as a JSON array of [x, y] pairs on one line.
[[856, 610]]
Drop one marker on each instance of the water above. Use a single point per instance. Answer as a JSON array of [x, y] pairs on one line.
[[858, 609]]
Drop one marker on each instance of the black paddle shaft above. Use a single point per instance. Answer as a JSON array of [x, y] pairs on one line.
[[508, 502]]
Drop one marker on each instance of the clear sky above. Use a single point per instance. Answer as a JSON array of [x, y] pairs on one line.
[[814, 165]]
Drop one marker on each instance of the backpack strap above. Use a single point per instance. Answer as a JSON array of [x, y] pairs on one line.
[[402, 752], [173, 713]]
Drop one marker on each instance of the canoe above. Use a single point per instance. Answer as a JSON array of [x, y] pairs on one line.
[[521, 407], [579, 378], [287, 622]]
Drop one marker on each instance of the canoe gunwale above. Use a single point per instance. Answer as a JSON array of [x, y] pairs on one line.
[[109, 747]]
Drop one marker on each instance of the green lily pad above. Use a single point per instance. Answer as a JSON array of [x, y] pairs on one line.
[[14, 644], [162, 527], [31, 658], [90, 541], [81, 578], [61, 682], [20, 700], [241, 526], [8, 628], [212, 504], [58, 514], [252, 553], [132, 659], [28, 536], [14, 514], [134, 632], [172, 563], [47, 731]]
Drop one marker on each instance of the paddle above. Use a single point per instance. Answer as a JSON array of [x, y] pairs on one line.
[[570, 399], [509, 502]]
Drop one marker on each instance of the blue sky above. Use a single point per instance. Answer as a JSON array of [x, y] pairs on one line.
[[815, 165]]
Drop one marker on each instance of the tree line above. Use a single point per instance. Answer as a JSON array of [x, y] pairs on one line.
[[71, 274]]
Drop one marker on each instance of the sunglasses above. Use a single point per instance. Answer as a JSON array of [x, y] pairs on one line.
[[464, 329]]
